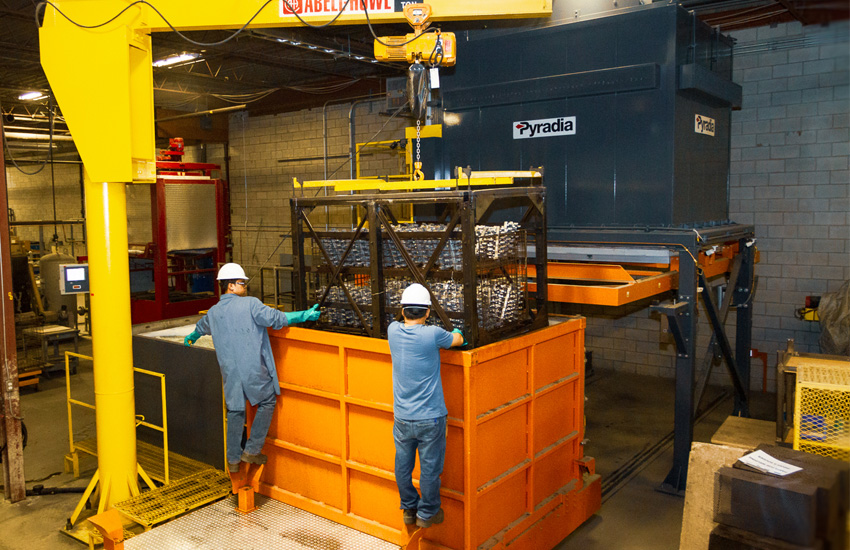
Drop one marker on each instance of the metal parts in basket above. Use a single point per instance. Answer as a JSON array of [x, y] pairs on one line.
[[465, 254], [493, 242], [501, 301]]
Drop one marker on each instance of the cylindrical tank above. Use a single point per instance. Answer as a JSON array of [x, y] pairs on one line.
[[48, 267]]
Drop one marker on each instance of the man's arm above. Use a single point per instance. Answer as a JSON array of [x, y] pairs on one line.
[[457, 338], [201, 328], [445, 339], [266, 316]]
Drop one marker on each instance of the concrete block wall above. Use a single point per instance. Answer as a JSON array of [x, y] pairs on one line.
[[789, 179], [790, 173], [31, 197], [261, 185]]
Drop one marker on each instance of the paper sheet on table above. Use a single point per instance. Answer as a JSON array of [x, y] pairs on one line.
[[762, 461]]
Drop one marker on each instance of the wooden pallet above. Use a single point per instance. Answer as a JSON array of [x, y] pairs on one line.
[[29, 378]]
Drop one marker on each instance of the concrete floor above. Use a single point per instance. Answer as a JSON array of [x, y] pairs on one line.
[[627, 414]]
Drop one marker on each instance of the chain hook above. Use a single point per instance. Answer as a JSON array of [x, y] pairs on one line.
[[417, 172]]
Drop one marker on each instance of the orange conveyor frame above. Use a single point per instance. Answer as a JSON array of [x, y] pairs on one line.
[[607, 284], [515, 471]]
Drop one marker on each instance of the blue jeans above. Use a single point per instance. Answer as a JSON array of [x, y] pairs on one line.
[[429, 436], [259, 430]]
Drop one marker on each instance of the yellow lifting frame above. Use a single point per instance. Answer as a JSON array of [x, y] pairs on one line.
[[383, 185], [491, 178], [373, 147]]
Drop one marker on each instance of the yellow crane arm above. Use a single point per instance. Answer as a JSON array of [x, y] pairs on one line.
[[102, 77]]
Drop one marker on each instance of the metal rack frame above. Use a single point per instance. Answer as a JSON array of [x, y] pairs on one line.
[[463, 210]]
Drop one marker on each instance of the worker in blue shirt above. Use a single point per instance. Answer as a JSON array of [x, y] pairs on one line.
[[419, 407], [238, 326]]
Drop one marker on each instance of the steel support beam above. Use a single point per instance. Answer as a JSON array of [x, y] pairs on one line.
[[299, 287], [725, 348], [683, 429], [11, 438], [711, 353], [674, 312], [688, 242], [743, 297]]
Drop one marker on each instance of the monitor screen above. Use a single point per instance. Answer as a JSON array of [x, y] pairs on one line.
[[75, 273], [73, 278]]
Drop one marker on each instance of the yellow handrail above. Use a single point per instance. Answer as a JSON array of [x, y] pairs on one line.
[[162, 429]]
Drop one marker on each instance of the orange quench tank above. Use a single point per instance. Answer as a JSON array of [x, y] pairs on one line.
[[514, 473]]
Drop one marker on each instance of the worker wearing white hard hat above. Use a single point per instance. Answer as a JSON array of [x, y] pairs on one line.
[[238, 325], [419, 408], [231, 272]]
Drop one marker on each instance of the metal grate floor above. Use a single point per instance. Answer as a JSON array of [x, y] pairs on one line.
[[150, 458], [273, 524], [169, 501]]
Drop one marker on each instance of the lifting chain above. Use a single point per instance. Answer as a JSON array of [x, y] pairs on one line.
[[417, 172]]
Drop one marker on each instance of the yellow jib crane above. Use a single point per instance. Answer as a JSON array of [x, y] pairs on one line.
[[97, 57]]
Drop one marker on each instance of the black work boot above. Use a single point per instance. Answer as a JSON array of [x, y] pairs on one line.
[[433, 520], [258, 458], [409, 516]]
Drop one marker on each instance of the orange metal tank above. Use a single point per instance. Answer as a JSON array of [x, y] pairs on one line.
[[514, 471]]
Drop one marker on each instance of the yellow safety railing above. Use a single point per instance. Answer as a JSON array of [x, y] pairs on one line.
[[162, 429], [140, 421]]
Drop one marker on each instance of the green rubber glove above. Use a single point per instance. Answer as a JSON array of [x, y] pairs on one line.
[[295, 317], [458, 331], [191, 338], [313, 313]]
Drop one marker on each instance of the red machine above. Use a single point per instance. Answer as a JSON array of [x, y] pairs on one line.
[[174, 275]]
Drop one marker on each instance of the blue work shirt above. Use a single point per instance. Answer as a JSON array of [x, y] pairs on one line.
[[417, 386], [238, 327]]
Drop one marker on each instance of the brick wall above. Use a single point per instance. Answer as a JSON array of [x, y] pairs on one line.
[[31, 197], [790, 171]]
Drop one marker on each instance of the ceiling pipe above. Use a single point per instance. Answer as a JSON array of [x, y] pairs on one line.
[[203, 113], [30, 129], [37, 137]]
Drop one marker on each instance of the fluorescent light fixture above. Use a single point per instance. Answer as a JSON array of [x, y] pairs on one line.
[[175, 59], [32, 96]]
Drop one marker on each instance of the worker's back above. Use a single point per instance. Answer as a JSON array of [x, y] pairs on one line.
[[238, 327], [417, 386]]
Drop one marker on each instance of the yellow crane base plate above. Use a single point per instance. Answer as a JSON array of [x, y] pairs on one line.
[[86, 533]]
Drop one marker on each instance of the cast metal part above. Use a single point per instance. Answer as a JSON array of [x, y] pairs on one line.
[[500, 299], [272, 525]]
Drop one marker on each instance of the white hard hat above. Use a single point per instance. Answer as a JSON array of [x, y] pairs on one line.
[[416, 295], [230, 272]]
